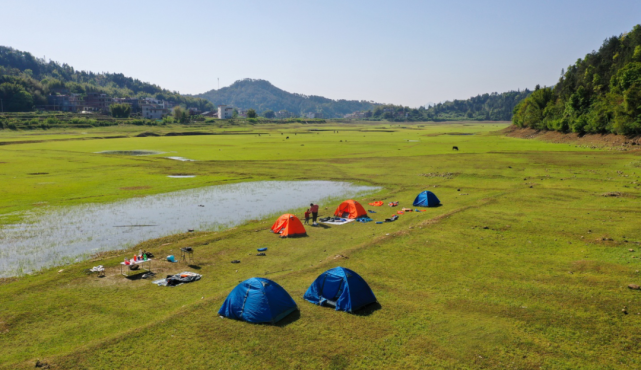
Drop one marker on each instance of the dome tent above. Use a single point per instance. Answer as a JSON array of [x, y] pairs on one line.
[[288, 226], [426, 199], [258, 300], [341, 288], [350, 209]]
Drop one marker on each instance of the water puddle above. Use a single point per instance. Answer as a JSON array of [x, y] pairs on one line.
[[182, 176], [181, 159], [130, 152], [51, 236]]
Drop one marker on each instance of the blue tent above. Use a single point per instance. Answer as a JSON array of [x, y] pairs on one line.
[[258, 300], [340, 288], [426, 199]]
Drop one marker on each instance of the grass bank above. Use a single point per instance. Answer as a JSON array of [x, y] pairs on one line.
[[526, 264]]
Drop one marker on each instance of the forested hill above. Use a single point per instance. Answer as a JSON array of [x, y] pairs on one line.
[[261, 95], [600, 93], [25, 82]]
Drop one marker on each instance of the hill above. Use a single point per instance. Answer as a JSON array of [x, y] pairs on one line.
[[600, 93], [25, 82], [261, 95]]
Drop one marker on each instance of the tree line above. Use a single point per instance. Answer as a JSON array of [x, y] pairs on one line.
[[600, 93], [25, 82], [486, 107]]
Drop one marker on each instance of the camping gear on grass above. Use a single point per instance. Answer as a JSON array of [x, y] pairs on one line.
[[288, 226], [350, 209], [370, 211], [426, 199], [391, 219], [171, 258], [364, 219], [376, 204], [407, 210], [340, 288], [392, 204], [261, 249], [178, 279], [100, 269], [258, 300]]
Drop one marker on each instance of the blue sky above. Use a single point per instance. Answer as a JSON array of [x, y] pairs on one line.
[[401, 52]]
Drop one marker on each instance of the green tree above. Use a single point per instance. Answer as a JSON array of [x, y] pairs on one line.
[[178, 113], [15, 98], [269, 113], [120, 110], [251, 113]]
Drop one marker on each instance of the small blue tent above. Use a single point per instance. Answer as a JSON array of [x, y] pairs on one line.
[[341, 288], [258, 300], [426, 199]]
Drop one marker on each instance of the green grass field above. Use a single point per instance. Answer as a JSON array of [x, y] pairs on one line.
[[526, 265]]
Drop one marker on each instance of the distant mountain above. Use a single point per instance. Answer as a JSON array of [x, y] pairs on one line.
[[25, 82], [261, 95]]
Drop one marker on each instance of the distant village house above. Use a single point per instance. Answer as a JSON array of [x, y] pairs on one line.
[[225, 112], [312, 115]]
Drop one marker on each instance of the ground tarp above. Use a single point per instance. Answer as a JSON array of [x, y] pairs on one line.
[[178, 279]]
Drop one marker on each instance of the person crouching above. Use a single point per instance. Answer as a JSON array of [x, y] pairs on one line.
[[307, 214]]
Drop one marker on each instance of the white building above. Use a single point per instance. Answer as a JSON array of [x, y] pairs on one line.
[[313, 115], [153, 111], [225, 112]]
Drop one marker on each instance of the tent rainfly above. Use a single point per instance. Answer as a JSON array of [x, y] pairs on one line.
[[288, 226], [426, 199], [350, 209], [340, 288], [258, 300]]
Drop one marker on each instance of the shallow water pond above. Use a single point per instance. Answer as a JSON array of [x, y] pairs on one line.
[[55, 236]]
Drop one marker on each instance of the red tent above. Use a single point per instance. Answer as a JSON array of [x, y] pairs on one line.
[[288, 226], [350, 209]]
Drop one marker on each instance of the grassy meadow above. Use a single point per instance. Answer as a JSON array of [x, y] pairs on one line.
[[526, 264]]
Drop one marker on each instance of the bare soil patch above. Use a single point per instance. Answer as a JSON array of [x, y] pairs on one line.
[[589, 140], [135, 188]]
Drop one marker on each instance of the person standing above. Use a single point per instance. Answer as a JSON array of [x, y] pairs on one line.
[[314, 209], [307, 213]]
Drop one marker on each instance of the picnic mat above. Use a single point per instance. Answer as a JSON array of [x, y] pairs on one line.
[[178, 279], [337, 221]]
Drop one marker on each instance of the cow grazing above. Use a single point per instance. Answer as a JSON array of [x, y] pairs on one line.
[[455, 148]]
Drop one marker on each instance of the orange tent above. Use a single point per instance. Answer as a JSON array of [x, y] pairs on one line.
[[288, 226], [350, 209]]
